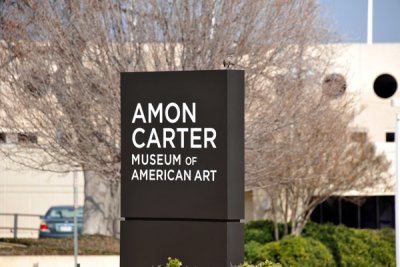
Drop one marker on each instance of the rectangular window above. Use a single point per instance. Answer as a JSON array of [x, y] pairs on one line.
[[27, 138], [2, 138], [390, 137]]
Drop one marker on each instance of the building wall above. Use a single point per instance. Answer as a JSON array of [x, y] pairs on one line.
[[361, 64], [248, 209], [29, 191]]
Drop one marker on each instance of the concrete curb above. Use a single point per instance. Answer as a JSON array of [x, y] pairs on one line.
[[59, 261]]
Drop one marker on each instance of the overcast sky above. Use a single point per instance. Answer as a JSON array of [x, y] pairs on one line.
[[349, 18]]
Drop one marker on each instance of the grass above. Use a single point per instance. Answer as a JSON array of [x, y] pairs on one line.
[[88, 245]]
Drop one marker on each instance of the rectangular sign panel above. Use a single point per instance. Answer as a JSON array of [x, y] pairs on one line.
[[195, 243], [182, 145]]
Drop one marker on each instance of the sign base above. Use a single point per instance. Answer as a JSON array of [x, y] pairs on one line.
[[147, 243]]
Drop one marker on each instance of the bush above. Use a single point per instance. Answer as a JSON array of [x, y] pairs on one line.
[[355, 247], [252, 251], [322, 245], [261, 231], [266, 263], [177, 263], [299, 251], [173, 262], [348, 246]]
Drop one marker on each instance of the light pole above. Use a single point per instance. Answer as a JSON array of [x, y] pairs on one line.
[[370, 25], [75, 175], [396, 104]]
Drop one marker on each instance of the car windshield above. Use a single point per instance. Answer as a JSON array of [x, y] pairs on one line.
[[66, 212]]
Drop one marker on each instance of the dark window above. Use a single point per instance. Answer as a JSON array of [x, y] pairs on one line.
[[386, 212], [373, 212], [330, 210], [369, 214], [350, 213], [390, 137], [334, 85], [27, 138], [385, 86], [2, 138]]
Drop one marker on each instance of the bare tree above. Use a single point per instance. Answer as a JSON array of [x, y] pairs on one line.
[[308, 151], [60, 65]]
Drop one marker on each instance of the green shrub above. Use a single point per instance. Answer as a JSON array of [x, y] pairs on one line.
[[252, 251], [177, 263], [388, 235], [266, 263], [355, 247], [299, 251], [321, 245], [173, 262], [261, 231]]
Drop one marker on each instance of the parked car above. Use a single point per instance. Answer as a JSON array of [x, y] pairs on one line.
[[59, 222]]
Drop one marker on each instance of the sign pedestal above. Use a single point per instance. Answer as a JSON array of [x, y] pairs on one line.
[[195, 243], [182, 168]]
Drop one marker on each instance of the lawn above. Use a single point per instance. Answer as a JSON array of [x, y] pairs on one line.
[[88, 245]]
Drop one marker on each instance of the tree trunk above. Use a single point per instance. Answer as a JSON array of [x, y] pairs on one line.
[[285, 228], [276, 231], [297, 229], [102, 206], [275, 220]]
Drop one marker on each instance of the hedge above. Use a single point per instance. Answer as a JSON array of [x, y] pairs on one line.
[[291, 251], [346, 246], [266, 263], [322, 245], [177, 263], [355, 247], [261, 231]]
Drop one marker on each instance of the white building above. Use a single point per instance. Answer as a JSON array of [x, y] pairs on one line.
[[25, 191], [372, 74]]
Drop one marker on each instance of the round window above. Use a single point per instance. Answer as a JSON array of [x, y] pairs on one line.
[[385, 86], [334, 85]]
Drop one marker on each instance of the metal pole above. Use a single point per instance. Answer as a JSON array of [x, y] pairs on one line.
[[340, 210], [370, 21], [397, 195], [321, 213], [15, 226], [378, 225], [75, 175]]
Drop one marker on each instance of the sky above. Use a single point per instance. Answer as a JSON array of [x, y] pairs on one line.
[[349, 19]]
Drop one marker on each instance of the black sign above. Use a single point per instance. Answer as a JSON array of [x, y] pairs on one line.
[[182, 167], [196, 243], [182, 145]]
